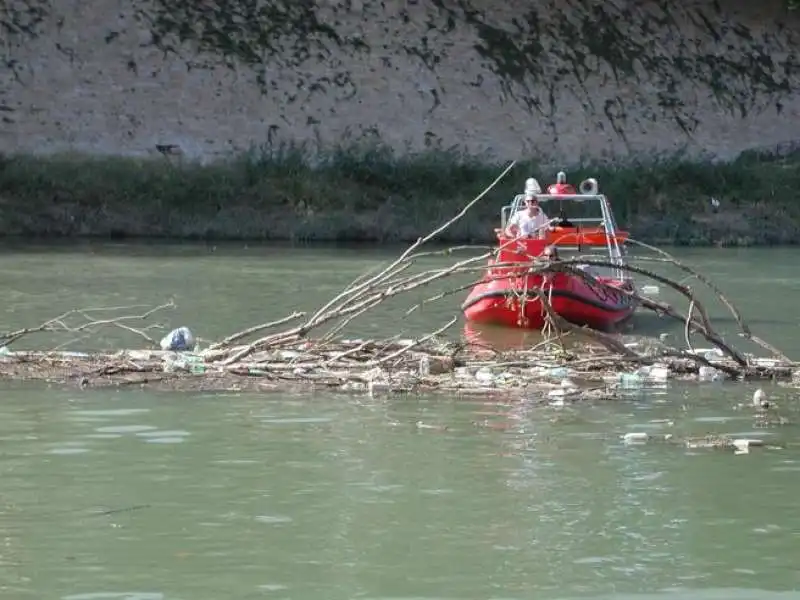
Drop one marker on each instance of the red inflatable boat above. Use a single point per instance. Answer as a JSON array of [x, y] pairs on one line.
[[507, 295]]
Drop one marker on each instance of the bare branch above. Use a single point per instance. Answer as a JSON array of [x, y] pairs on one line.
[[419, 342], [59, 323]]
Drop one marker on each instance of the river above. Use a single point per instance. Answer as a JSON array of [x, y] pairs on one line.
[[138, 495]]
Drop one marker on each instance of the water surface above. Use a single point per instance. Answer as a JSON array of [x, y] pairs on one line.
[[137, 495]]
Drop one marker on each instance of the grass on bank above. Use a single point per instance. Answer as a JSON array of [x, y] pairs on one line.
[[377, 195]]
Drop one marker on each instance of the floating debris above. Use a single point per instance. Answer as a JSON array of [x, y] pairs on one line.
[[300, 351]]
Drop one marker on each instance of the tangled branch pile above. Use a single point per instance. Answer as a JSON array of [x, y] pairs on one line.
[[309, 350]]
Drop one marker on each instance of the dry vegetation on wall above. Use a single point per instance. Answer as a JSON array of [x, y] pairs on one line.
[[687, 62], [533, 55], [589, 77], [375, 195]]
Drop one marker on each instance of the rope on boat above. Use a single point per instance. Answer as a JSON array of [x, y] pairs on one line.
[[548, 325], [523, 301]]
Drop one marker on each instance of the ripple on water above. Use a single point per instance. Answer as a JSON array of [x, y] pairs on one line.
[[752, 434], [377, 487], [771, 528], [125, 429], [272, 587], [273, 519], [718, 419], [63, 451], [423, 598], [296, 420], [679, 593], [68, 447], [165, 440], [586, 435], [163, 433], [597, 560], [112, 412], [116, 596], [151, 435]]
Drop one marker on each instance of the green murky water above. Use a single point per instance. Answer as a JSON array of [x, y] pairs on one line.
[[135, 495]]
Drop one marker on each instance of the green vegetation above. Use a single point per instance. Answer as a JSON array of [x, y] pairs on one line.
[[375, 195]]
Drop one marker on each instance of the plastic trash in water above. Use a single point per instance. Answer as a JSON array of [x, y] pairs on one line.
[[630, 380], [759, 362], [635, 438], [138, 354], [172, 364], [557, 372], [708, 353], [705, 373], [462, 372], [178, 340], [567, 388], [742, 446], [655, 372], [195, 364], [760, 399], [424, 365], [184, 362], [650, 290], [484, 375]]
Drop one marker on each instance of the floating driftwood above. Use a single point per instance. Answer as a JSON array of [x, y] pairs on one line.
[[311, 351], [371, 367]]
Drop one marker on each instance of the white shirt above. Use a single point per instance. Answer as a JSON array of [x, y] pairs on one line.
[[529, 225]]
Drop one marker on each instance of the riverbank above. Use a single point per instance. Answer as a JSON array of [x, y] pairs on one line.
[[376, 196]]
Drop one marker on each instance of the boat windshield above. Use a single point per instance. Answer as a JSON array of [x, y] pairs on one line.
[[570, 210], [577, 215]]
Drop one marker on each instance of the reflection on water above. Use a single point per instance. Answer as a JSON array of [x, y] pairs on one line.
[[319, 497], [485, 337], [702, 594]]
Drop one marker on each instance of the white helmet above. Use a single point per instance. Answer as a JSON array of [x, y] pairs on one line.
[[532, 188]]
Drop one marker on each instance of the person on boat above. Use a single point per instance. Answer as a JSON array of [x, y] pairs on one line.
[[561, 187], [529, 222]]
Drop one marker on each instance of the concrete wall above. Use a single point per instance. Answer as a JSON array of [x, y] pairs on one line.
[[563, 78]]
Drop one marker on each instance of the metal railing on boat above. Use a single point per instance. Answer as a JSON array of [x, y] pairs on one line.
[[605, 223]]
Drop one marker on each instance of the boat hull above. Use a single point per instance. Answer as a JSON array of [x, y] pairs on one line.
[[513, 302]]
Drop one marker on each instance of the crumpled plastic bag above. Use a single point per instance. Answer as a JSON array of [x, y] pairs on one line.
[[178, 340]]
